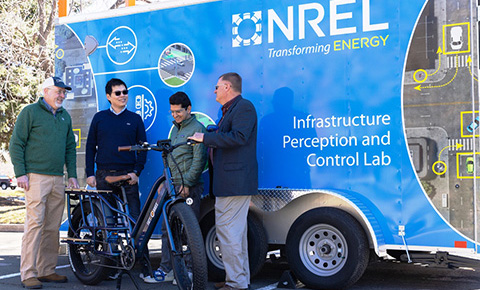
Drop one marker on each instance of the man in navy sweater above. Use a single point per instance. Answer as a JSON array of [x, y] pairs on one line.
[[109, 129]]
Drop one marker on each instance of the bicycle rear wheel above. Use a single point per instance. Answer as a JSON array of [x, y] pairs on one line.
[[86, 265], [189, 261]]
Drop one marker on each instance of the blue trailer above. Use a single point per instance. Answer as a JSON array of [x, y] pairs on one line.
[[367, 144]]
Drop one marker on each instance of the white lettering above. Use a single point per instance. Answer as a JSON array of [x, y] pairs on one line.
[[337, 160], [287, 31], [322, 142], [375, 160], [313, 23], [366, 19], [335, 17]]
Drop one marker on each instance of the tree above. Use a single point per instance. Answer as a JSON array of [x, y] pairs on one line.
[[26, 56]]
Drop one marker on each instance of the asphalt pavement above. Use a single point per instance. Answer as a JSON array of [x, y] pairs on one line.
[[378, 276]]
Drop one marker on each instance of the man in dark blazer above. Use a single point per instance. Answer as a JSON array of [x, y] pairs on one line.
[[233, 153]]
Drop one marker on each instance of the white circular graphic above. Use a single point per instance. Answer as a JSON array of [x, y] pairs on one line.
[[121, 45], [144, 104]]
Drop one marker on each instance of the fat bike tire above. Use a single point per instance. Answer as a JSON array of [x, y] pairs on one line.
[[86, 265], [189, 261]]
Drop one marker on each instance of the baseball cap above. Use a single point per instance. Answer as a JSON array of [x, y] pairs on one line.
[[55, 81]]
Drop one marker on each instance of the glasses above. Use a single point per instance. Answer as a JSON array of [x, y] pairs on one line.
[[216, 87], [59, 92], [177, 111], [118, 93]]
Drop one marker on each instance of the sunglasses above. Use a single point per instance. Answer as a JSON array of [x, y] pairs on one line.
[[118, 93]]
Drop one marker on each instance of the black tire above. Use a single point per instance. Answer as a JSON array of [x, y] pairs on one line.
[[327, 249], [4, 186], [82, 256], [190, 258], [13, 187], [257, 246]]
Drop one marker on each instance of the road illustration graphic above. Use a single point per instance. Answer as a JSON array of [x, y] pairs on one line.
[[176, 65], [440, 125]]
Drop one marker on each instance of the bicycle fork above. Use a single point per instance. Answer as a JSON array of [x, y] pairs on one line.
[[167, 226]]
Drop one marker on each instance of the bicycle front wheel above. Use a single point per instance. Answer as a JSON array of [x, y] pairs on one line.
[[189, 260]]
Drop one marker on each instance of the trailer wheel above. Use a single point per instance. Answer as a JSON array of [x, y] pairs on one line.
[[257, 246], [327, 249]]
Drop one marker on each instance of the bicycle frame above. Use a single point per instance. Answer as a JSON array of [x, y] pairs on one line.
[[162, 195], [117, 221]]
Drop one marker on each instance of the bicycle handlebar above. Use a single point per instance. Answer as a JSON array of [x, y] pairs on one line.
[[162, 145]]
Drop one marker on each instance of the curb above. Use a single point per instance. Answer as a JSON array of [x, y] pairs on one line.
[[11, 227]]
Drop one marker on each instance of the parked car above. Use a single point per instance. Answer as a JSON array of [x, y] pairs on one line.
[[473, 125], [13, 183], [456, 37], [470, 165], [5, 182]]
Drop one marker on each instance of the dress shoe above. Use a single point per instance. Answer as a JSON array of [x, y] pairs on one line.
[[32, 283], [55, 278], [219, 285]]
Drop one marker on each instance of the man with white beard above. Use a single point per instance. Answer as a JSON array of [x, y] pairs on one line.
[[42, 143]]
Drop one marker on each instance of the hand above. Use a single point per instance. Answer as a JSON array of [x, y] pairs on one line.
[[198, 137], [133, 178], [92, 181], [22, 182], [73, 183], [184, 191]]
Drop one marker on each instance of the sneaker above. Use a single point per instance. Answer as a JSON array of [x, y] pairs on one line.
[[190, 276], [162, 276], [114, 275], [32, 283], [148, 279]]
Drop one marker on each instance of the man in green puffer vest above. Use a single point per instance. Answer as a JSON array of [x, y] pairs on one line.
[[191, 162]]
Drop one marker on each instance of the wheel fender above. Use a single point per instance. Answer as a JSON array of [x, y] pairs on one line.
[[95, 203], [366, 213]]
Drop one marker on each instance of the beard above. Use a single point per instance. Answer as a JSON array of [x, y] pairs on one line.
[[58, 104]]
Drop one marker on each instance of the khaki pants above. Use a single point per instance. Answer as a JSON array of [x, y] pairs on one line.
[[44, 201], [231, 226]]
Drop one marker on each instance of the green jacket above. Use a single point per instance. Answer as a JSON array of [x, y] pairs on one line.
[[190, 159], [43, 143]]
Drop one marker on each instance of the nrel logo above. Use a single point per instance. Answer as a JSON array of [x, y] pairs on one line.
[[247, 29], [338, 17]]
